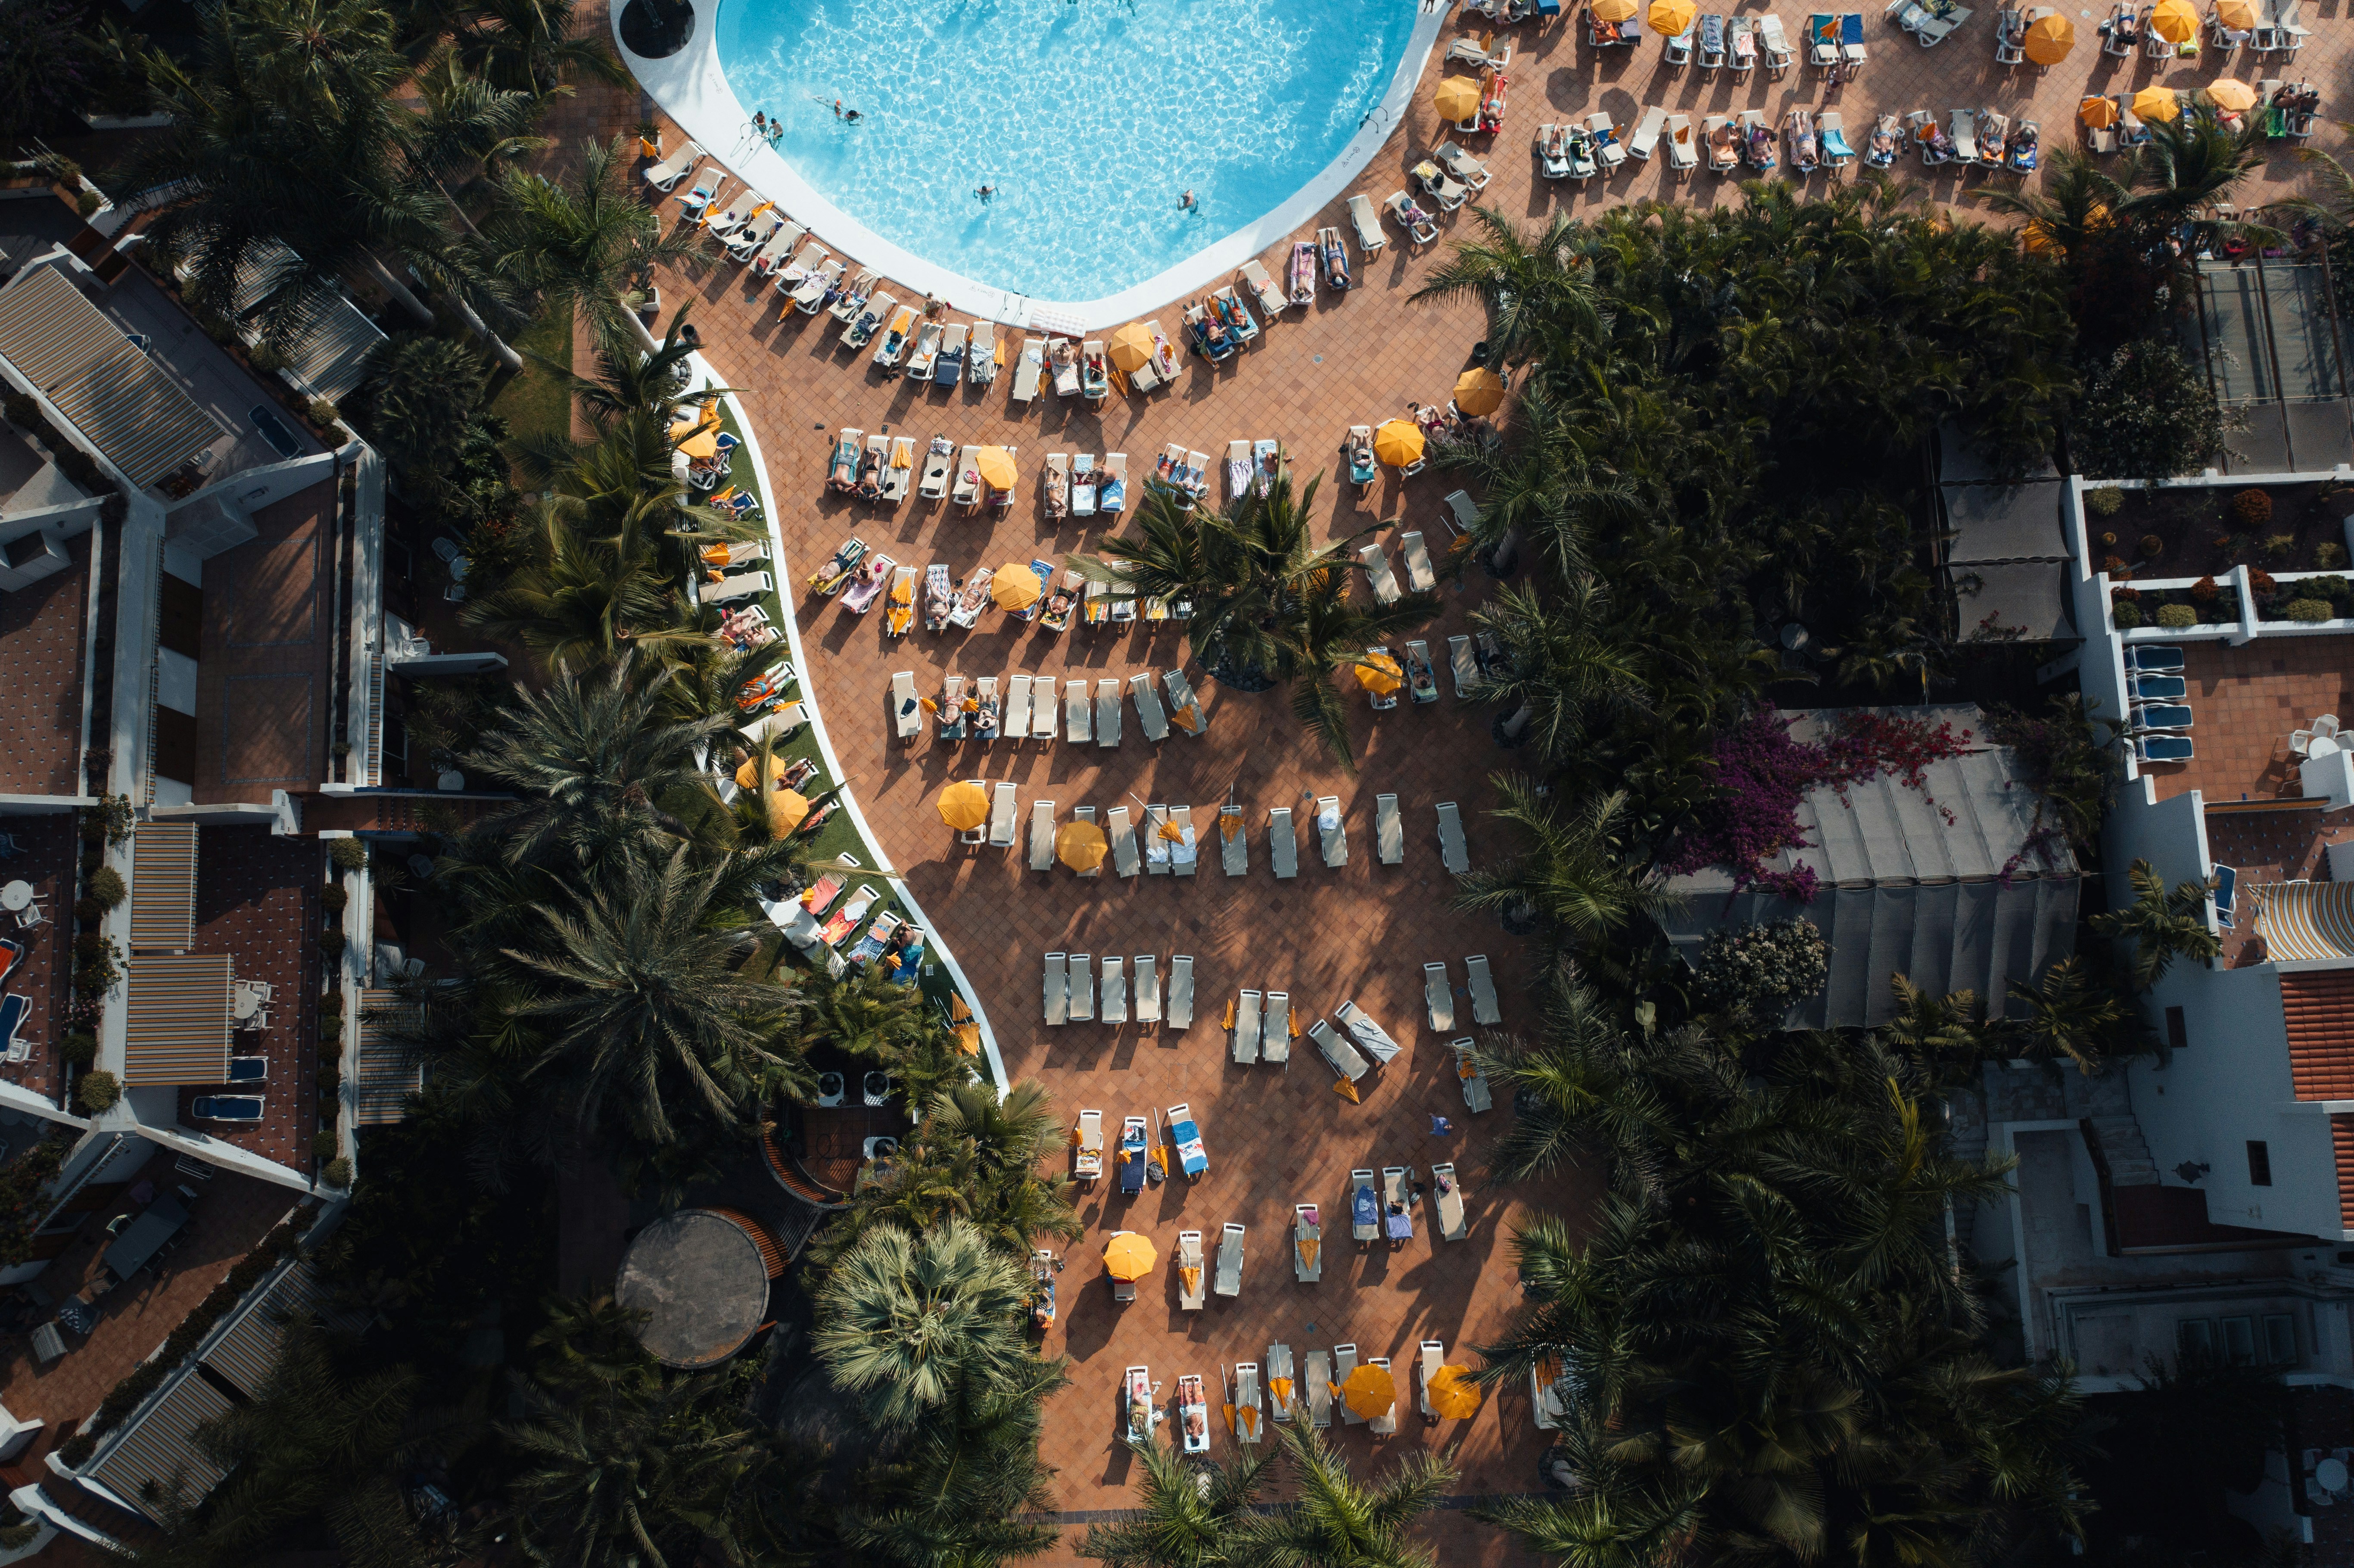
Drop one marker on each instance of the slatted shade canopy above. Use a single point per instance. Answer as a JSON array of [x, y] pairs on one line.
[[247, 1353], [178, 1009], [106, 387], [389, 1071], [163, 887], [161, 1451]]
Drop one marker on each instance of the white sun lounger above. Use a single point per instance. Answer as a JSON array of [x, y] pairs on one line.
[[1483, 992], [1368, 225], [1148, 715], [1282, 843], [1272, 302], [1336, 837], [907, 708], [1115, 990], [1233, 853], [1476, 1094], [1086, 1164], [1002, 816], [1462, 664], [1365, 1032], [1185, 858], [1082, 987], [899, 470], [1278, 1369], [1042, 835], [1389, 829], [1230, 1260], [1180, 697], [1088, 814], [1418, 573], [741, 586], [1015, 723], [1148, 987], [664, 176], [1433, 1357], [1245, 1044], [1438, 996], [1319, 1388], [1076, 715], [1386, 1424], [1344, 1362], [1275, 1028], [981, 369], [1248, 1427], [1028, 368], [1306, 1227], [1646, 133], [1181, 992], [1123, 841], [966, 489], [1155, 816], [1344, 1058], [1058, 988], [1448, 1203], [1106, 713], [1376, 562], [1452, 851], [1190, 1299]]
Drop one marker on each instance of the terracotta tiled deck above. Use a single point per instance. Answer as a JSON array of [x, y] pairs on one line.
[[41, 631], [256, 900], [2244, 702], [264, 688], [51, 848]]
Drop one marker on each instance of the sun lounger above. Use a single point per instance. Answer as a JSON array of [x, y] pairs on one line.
[[1015, 724], [809, 297], [1115, 990], [1058, 988], [1185, 1138], [1418, 572], [1184, 856], [1111, 494], [852, 302], [1135, 1148], [1182, 702], [1402, 211], [1082, 987], [1233, 848], [1282, 1387], [1002, 818], [1029, 366], [1249, 1427], [1433, 1356], [1307, 1244], [665, 175], [1275, 1028], [1245, 1045], [981, 367], [907, 708], [1447, 193], [2163, 747], [1088, 814], [1106, 713], [1453, 853], [1319, 1389], [975, 596], [1647, 131], [1331, 831], [1438, 996], [940, 463], [1149, 716], [1087, 1164], [868, 324], [1367, 1033], [1123, 841], [967, 491], [1041, 710], [1181, 992], [753, 235], [1193, 1279], [1386, 1424], [1272, 302], [1476, 1094], [1684, 150], [1462, 165], [1446, 1196], [1721, 159], [1463, 664], [1148, 987], [1337, 1050], [1607, 145], [1376, 562], [1344, 1362], [1042, 835], [1078, 728], [1281, 843], [1483, 992], [951, 707], [741, 586], [1230, 1260]]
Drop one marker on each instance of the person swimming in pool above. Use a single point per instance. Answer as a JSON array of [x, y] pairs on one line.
[[1186, 203]]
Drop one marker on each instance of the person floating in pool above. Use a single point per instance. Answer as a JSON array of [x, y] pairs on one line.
[[985, 192], [1185, 202], [841, 113]]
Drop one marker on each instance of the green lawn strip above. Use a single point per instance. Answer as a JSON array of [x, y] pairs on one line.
[[534, 401]]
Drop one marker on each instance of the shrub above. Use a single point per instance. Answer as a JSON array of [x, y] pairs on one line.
[[98, 1091], [2228, 545], [330, 1004], [265, 360], [2125, 614], [2125, 595], [2176, 617], [80, 1048], [349, 855], [2116, 566], [87, 201], [2152, 546], [2262, 581], [330, 1028], [19, 409], [2309, 610], [2278, 545], [332, 898], [2110, 540], [323, 1143], [331, 943], [336, 1172], [2335, 589], [89, 911], [2205, 590], [331, 1078], [2252, 509], [323, 414], [2148, 413], [2105, 501], [114, 810], [2328, 555], [89, 945], [105, 885], [1765, 967]]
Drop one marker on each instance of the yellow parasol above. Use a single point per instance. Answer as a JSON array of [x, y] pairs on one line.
[[1081, 845], [1309, 1246], [2175, 21], [1227, 1389], [1229, 824], [701, 443], [2098, 113], [2235, 16], [1378, 675], [995, 466], [1189, 1275], [1481, 390], [1453, 1395], [788, 810], [2156, 103], [1347, 1091], [2232, 94], [1669, 18], [1131, 346], [1613, 10], [965, 805], [750, 770], [1457, 97], [2050, 37], [1281, 1387], [1370, 1391], [1014, 587], [1399, 442], [1172, 831], [1128, 1256], [1188, 719]]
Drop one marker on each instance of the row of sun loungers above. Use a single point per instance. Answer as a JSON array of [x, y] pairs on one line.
[[1167, 832], [1070, 990], [1028, 708], [1438, 994]]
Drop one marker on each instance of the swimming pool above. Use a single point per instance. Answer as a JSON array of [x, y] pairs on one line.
[[1089, 119]]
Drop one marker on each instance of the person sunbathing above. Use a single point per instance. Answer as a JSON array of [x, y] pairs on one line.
[[1216, 335], [1058, 604], [1723, 139], [1197, 1421], [1990, 147], [1884, 142], [985, 716], [2022, 147]]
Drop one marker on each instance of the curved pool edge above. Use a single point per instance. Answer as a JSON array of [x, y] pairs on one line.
[[883, 867], [693, 89]]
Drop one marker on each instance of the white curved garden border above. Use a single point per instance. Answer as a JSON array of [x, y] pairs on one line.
[[936, 942], [690, 86]]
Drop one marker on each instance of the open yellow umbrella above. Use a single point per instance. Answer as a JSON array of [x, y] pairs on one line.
[[2050, 37], [1380, 675], [749, 771], [2235, 16], [1481, 390], [1014, 586], [788, 810], [2156, 103], [965, 805], [2175, 21], [1081, 845], [2098, 113], [1399, 442], [1370, 1391], [1669, 18], [2232, 94], [1453, 1395], [1457, 97], [995, 466], [1128, 1256], [1613, 10], [1131, 346]]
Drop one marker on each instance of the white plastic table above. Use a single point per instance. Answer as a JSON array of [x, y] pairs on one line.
[[16, 896]]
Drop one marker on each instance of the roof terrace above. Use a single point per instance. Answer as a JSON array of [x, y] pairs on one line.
[[2247, 700], [42, 628]]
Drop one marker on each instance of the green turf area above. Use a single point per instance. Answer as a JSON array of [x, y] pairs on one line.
[[534, 401]]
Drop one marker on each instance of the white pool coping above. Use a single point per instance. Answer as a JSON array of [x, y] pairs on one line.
[[693, 89]]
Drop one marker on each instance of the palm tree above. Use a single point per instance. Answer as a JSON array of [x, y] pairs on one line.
[[1325, 633], [1537, 285], [2072, 1012], [955, 1493], [584, 239], [1942, 1035], [1566, 666], [1188, 1517], [1014, 1203], [530, 46], [1572, 876], [2191, 165], [905, 1322], [1340, 1522], [2164, 926], [1577, 1090], [423, 394]]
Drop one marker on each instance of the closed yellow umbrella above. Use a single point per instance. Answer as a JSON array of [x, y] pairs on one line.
[[1378, 675], [1457, 97], [1453, 1395], [995, 466], [1669, 18], [2232, 94], [2050, 37], [1129, 1256], [964, 806], [1370, 1391], [1014, 586], [1613, 10], [788, 810], [2175, 21], [1398, 442], [1480, 390], [1131, 346], [2098, 113], [2236, 16], [1081, 845], [1346, 1090], [2156, 103]]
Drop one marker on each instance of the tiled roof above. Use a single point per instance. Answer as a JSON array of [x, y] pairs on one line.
[[2318, 1009], [82, 362], [2341, 1143]]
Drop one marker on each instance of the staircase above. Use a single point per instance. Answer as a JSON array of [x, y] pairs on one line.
[[2106, 1105]]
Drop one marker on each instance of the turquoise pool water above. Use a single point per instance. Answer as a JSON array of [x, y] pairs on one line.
[[1090, 118]]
